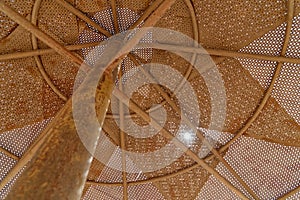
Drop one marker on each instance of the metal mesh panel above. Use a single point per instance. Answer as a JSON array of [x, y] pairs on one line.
[[268, 44], [238, 90], [8, 163], [293, 50], [213, 189], [24, 137], [261, 70], [145, 191], [100, 192], [4, 192], [266, 167], [66, 30], [234, 32], [287, 91]]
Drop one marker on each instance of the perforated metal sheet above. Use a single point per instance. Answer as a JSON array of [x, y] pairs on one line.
[[266, 158]]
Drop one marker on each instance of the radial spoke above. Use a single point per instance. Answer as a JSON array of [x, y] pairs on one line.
[[39, 52], [217, 52]]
